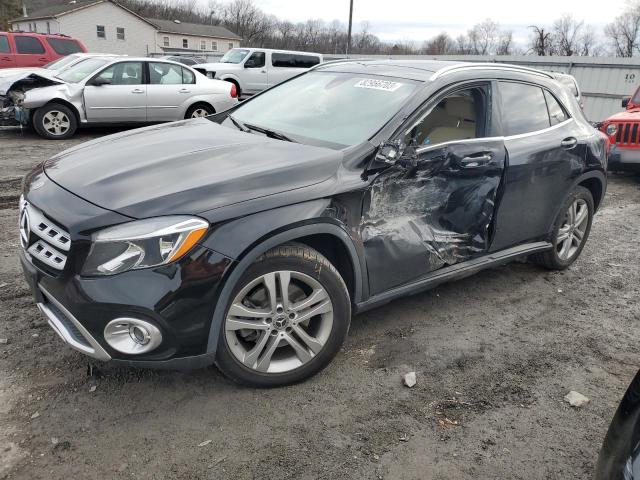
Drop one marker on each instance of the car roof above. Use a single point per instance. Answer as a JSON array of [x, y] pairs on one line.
[[420, 70], [272, 50]]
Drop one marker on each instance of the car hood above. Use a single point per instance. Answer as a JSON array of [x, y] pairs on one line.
[[28, 78], [187, 167], [625, 116]]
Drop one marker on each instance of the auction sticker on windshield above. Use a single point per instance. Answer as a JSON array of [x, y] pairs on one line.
[[378, 84]]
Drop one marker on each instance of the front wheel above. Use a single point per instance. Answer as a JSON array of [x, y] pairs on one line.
[[289, 315], [570, 231], [55, 121]]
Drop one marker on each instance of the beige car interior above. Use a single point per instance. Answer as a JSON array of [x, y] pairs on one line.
[[454, 118]]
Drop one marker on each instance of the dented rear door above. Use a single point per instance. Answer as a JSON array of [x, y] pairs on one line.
[[437, 212]]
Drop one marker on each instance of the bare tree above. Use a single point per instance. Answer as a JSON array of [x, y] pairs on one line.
[[441, 44], [483, 37], [541, 43], [567, 33], [624, 30], [589, 43], [505, 43]]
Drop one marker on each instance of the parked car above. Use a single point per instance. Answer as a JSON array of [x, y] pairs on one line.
[[252, 70], [121, 91], [619, 457], [250, 237], [191, 61], [54, 67], [28, 49], [622, 130]]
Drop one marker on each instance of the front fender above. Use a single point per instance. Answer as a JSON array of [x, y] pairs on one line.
[[231, 76]]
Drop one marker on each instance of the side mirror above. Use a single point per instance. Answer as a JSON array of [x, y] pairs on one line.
[[625, 101], [98, 82]]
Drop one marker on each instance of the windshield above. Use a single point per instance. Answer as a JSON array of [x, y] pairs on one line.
[[82, 70], [235, 55], [61, 62], [339, 108]]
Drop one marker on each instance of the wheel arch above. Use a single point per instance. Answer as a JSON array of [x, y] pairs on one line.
[[199, 102], [596, 183], [64, 102]]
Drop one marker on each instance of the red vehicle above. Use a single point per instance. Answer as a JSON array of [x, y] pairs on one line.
[[29, 49], [623, 130]]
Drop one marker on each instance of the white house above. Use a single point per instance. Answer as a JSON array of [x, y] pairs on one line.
[[105, 26]]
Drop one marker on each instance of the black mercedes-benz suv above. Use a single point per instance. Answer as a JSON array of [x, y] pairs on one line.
[[250, 237]]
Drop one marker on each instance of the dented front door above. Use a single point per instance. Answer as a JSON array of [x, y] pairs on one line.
[[434, 211]]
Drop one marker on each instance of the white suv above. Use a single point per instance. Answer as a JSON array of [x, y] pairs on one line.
[[255, 69]]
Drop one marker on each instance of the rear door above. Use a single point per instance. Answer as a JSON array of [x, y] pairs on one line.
[[546, 150], [30, 51], [7, 58], [170, 86], [117, 94], [435, 206]]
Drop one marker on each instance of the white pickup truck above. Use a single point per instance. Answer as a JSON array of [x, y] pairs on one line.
[[255, 69]]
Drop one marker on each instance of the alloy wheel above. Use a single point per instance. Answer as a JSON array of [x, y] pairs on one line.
[[199, 112], [279, 322], [571, 233], [56, 123]]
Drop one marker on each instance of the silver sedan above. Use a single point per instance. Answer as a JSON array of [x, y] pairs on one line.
[[114, 91]]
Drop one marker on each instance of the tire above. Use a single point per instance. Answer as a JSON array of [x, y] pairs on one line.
[[312, 280], [557, 258], [55, 121], [199, 110]]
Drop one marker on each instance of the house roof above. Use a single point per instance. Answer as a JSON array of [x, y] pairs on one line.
[[52, 11], [198, 29]]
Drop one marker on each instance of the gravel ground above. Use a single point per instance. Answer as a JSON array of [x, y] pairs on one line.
[[494, 355]]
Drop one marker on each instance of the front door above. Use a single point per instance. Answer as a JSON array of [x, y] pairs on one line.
[[117, 94], [435, 206], [255, 77]]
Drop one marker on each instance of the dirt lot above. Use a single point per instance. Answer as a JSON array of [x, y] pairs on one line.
[[494, 355]]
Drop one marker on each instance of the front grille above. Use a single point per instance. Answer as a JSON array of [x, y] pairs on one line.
[[628, 135], [42, 238]]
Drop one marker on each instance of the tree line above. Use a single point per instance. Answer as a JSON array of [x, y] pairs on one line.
[[566, 36]]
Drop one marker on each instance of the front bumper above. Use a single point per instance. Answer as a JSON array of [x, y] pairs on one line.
[[624, 159]]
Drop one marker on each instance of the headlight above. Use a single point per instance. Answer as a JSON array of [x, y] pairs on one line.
[[611, 129], [143, 244]]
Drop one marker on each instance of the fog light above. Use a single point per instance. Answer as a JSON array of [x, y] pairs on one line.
[[132, 336]]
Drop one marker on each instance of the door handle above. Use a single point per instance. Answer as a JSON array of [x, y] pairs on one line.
[[137, 90], [184, 90], [569, 143], [475, 161], [263, 71]]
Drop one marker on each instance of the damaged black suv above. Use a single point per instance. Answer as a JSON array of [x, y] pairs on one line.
[[250, 237]]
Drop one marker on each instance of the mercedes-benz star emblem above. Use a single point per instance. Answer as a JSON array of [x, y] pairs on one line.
[[25, 228]]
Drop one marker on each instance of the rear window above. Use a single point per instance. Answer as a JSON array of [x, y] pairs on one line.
[[28, 45], [292, 60], [524, 107], [64, 46], [4, 44]]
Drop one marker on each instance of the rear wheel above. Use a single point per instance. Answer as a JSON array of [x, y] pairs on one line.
[[289, 315], [199, 110], [570, 232], [55, 121]]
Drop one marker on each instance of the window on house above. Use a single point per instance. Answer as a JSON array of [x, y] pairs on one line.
[[230, 45], [100, 31], [185, 43], [120, 33], [214, 46], [165, 41], [203, 45]]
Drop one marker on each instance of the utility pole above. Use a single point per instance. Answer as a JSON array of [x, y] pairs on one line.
[[349, 34]]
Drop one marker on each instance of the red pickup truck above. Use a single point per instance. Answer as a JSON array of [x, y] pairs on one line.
[[623, 130], [28, 49]]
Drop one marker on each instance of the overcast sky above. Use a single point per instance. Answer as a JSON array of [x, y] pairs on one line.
[[421, 19]]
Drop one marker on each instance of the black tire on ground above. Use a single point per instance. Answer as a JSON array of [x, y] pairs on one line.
[[204, 107], [551, 258], [305, 260], [45, 118]]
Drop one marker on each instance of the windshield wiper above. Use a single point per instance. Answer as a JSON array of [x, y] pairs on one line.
[[270, 133], [239, 126]]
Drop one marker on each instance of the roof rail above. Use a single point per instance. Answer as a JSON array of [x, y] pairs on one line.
[[334, 62], [487, 66]]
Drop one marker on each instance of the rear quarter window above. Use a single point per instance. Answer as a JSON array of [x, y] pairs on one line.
[[64, 46], [4, 44], [557, 114], [28, 45], [306, 61], [524, 108]]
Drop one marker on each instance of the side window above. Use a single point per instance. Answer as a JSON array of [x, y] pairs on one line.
[[306, 61], [125, 73], [63, 46], [4, 44], [164, 74], [556, 112], [28, 45], [524, 108], [188, 76], [459, 116], [282, 60], [256, 60]]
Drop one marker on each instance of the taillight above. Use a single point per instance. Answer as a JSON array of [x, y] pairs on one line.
[[234, 91]]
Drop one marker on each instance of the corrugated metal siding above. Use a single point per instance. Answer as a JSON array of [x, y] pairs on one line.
[[602, 80]]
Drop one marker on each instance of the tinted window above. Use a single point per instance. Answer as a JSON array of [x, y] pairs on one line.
[[63, 46], [556, 112], [256, 60], [165, 74], [188, 76], [28, 45], [524, 108], [4, 44], [306, 61], [283, 60], [126, 73]]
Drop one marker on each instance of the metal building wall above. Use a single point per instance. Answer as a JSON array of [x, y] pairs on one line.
[[603, 80]]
